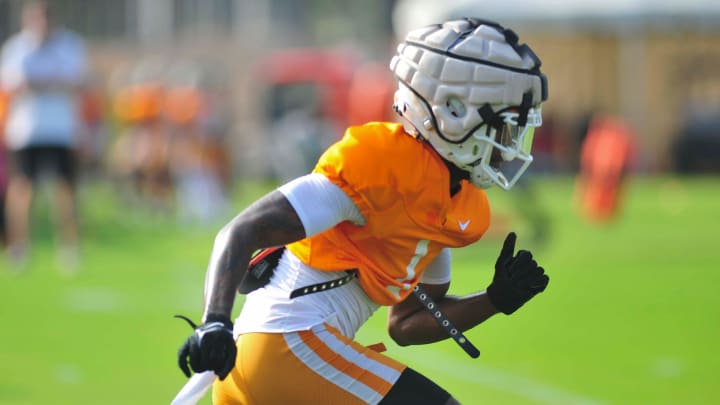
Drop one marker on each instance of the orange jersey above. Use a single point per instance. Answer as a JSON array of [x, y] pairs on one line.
[[402, 188]]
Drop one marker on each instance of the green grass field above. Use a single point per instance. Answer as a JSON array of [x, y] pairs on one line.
[[631, 316]]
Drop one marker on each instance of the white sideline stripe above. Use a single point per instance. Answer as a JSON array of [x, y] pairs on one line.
[[330, 373], [503, 381]]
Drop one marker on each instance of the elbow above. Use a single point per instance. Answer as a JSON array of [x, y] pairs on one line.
[[224, 231], [399, 334], [223, 236], [235, 233]]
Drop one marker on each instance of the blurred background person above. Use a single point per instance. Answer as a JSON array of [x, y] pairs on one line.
[[4, 101], [140, 153], [43, 69], [605, 162], [171, 152], [199, 160]]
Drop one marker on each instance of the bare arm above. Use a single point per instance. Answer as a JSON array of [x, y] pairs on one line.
[[409, 323], [270, 221]]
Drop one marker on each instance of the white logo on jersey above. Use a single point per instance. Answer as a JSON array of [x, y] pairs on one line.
[[463, 225]]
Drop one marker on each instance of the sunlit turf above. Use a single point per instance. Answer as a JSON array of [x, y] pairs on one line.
[[631, 315]]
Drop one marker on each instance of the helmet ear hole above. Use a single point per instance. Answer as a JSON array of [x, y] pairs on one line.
[[455, 107]]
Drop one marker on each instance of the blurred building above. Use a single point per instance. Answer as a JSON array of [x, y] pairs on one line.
[[652, 62], [655, 63], [229, 37]]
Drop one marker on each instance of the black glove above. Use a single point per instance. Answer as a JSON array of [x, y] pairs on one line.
[[211, 347], [517, 279]]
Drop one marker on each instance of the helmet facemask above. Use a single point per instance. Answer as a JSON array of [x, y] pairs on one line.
[[507, 150], [477, 113]]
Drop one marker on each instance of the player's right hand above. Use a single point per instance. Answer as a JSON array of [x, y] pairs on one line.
[[517, 278], [210, 348]]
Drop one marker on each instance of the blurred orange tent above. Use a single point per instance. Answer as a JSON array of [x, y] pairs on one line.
[[329, 70], [371, 94]]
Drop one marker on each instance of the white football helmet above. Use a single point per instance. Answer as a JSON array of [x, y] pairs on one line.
[[473, 92]]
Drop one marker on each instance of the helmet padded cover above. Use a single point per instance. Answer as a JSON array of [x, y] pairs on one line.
[[475, 62]]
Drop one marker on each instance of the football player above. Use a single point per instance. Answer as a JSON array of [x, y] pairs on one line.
[[372, 224]]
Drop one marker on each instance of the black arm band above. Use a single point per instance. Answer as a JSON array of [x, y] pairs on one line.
[[443, 321]]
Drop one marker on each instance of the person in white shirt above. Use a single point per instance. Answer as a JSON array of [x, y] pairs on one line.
[[43, 68]]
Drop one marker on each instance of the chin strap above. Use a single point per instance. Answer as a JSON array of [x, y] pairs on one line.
[[525, 108], [491, 118]]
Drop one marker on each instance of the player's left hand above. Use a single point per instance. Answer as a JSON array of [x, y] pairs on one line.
[[517, 278], [210, 348]]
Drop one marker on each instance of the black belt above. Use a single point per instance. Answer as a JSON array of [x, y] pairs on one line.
[[327, 285]]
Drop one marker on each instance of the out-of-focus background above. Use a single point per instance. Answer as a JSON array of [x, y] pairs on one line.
[[191, 109]]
